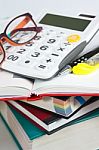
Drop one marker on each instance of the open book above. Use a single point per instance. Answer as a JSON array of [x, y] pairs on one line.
[[69, 84], [16, 87], [13, 86]]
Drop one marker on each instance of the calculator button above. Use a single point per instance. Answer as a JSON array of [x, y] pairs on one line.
[[56, 57], [46, 48], [41, 67], [12, 58], [48, 61], [65, 48], [30, 46], [27, 63], [8, 48], [73, 38], [64, 43], [53, 40], [21, 51], [35, 55], [60, 52], [39, 38]]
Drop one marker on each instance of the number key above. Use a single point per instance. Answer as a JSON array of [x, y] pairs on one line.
[[12, 58]]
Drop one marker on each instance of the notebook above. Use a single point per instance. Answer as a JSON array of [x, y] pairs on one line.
[[47, 120]]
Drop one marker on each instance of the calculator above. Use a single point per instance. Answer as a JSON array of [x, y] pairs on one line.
[[61, 40]]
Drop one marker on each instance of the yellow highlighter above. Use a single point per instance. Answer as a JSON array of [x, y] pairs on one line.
[[83, 65], [87, 63], [84, 68]]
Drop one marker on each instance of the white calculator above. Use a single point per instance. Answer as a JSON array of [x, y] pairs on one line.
[[63, 37]]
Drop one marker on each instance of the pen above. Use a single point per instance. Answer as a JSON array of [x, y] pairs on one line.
[[84, 64]]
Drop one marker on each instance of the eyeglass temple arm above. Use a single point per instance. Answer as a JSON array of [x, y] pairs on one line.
[[37, 29], [23, 22]]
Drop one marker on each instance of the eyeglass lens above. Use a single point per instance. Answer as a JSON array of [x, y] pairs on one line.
[[20, 31]]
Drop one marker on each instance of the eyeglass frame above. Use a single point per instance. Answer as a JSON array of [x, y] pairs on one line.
[[4, 36]]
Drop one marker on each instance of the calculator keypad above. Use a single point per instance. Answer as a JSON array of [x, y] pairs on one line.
[[42, 54]]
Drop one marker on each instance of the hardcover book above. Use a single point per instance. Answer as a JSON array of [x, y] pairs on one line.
[[50, 121], [24, 130], [63, 105]]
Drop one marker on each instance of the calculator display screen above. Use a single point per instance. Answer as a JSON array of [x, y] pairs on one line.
[[65, 22]]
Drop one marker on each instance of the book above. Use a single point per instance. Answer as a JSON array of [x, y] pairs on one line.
[[14, 86], [63, 105], [18, 87], [49, 121], [66, 137], [69, 84], [24, 130], [11, 135]]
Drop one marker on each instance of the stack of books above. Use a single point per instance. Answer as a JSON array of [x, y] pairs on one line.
[[30, 122]]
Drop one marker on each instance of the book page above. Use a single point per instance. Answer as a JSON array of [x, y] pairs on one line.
[[8, 79], [69, 83]]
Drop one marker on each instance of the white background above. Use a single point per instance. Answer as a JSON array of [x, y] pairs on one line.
[[35, 7], [12, 8]]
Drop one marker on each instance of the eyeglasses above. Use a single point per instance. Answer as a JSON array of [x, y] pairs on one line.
[[19, 31]]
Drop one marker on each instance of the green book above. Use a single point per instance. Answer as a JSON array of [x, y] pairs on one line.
[[31, 130]]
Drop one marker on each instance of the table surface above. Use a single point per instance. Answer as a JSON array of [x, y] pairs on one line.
[[83, 136]]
